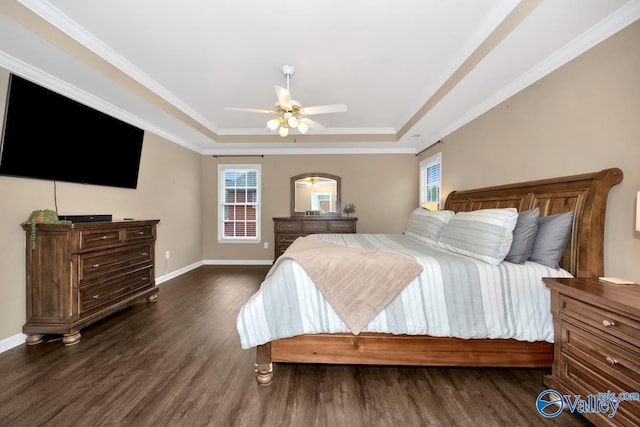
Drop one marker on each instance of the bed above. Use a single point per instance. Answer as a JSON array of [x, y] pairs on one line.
[[519, 344]]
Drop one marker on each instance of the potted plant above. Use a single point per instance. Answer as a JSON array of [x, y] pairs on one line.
[[44, 216], [349, 209]]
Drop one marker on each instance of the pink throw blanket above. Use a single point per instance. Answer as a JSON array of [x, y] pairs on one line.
[[358, 283]]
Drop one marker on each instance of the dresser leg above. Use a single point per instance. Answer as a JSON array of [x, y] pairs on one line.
[[152, 298], [34, 339], [71, 339]]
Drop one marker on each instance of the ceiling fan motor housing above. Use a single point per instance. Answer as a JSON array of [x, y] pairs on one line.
[[288, 70]]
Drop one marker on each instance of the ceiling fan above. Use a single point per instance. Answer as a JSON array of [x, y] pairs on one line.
[[290, 113]]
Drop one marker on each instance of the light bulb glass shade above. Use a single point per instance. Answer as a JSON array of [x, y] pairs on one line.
[[293, 122], [283, 131], [303, 127], [273, 124]]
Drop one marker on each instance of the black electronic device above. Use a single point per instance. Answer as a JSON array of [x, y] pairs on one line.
[[49, 136], [86, 218]]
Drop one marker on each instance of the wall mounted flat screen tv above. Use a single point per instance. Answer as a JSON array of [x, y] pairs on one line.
[[49, 136]]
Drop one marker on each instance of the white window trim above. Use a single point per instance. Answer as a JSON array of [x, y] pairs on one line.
[[425, 163], [221, 238]]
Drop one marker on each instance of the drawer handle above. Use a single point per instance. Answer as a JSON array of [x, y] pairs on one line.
[[95, 266], [140, 233], [104, 237], [144, 254], [608, 323], [145, 279], [611, 361], [95, 296]]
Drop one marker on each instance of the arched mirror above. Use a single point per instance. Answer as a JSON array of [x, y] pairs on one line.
[[315, 194]]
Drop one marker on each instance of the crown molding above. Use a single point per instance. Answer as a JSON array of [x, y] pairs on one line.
[[301, 149], [328, 131], [29, 72], [55, 17], [609, 26]]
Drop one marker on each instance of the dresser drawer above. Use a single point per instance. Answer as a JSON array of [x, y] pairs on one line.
[[287, 239], [142, 232], [603, 320], [94, 239], [314, 226], [584, 381], [617, 360], [111, 291], [288, 226], [109, 262], [342, 226]]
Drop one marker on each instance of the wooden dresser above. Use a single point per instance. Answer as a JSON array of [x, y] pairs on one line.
[[289, 229], [597, 343], [79, 273]]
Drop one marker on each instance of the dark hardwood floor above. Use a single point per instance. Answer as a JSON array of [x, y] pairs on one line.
[[178, 362]]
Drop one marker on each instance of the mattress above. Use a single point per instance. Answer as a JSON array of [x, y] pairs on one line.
[[453, 296]]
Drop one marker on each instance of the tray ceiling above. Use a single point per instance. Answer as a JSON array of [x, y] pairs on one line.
[[410, 71]]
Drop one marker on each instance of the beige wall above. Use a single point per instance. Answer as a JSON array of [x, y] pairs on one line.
[[582, 118], [393, 176], [169, 189]]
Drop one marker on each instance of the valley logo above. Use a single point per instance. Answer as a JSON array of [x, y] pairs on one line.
[[550, 403]]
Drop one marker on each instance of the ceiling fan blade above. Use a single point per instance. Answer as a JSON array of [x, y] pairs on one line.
[[324, 109], [314, 125], [284, 96], [251, 110]]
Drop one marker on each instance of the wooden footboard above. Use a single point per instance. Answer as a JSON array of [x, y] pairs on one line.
[[419, 350], [413, 350]]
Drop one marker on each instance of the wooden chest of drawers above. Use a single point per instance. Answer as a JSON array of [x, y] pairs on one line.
[[597, 343], [79, 273], [289, 229]]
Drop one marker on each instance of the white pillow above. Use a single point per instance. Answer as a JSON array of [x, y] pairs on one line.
[[485, 234], [426, 226]]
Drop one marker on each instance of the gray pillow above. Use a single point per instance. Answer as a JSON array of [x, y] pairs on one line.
[[554, 232], [524, 235]]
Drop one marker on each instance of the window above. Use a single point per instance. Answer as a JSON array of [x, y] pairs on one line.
[[321, 202], [239, 195], [430, 180]]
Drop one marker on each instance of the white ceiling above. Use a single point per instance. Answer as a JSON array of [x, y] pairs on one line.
[[410, 71]]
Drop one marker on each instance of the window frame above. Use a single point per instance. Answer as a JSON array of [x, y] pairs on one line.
[[222, 169], [425, 164]]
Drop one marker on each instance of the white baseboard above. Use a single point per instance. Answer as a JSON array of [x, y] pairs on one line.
[[10, 342], [176, 273]]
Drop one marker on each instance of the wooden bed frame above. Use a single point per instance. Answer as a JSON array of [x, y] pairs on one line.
[[586, 195]]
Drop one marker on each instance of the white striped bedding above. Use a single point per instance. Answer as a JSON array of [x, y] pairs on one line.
[[454, 296]]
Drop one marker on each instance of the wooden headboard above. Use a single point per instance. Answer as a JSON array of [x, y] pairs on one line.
[[585, 195]]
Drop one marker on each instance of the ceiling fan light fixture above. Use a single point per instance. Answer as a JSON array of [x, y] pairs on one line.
[[293, 122], [283, 131], [273, 124], [303, 127]]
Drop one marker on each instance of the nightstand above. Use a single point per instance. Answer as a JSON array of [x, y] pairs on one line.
[[597, 343]]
